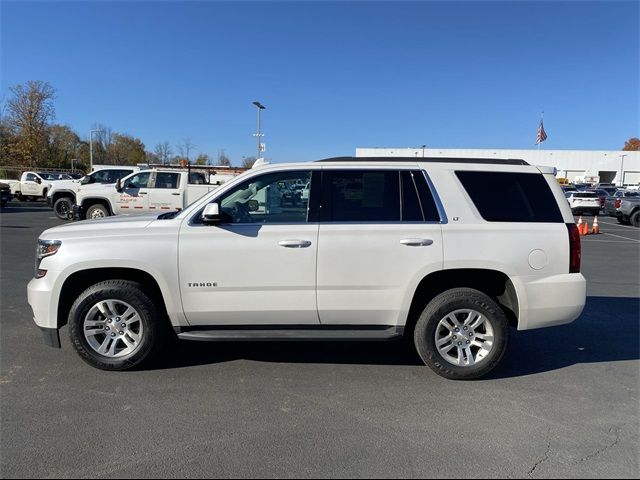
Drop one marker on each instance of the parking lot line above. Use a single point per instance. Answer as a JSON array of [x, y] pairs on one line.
[[616, 224], [620, 236]]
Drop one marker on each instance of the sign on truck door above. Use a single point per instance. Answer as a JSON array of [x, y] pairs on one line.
[[165, 193], [134, 195]]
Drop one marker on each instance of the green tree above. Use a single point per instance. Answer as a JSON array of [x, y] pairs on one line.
[[202, 159], [64, 145], [125, 150]]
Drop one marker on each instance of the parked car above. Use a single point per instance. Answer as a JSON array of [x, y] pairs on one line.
[[32, 185], [629, 211], [141, 192], [5, 194], [602, 195], [612, 204], [583, 202], [446, 253], [62, 195]]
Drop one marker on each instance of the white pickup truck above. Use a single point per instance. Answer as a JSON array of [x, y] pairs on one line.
[[143, 191], [35, 185], [62, 195]]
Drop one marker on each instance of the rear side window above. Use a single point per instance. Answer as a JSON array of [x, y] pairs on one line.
[[362, 196], [511, 197]]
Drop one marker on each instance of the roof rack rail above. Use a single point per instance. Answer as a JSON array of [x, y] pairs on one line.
[[481, 161]]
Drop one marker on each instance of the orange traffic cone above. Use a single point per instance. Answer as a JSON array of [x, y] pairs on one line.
[[580, 225], [585, 228], [596, 226]]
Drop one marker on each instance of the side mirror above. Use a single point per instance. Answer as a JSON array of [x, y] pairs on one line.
[[38, 180], [211, 214], [119, 185]]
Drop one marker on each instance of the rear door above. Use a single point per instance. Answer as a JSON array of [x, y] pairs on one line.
[[165, 193], [380, 234]]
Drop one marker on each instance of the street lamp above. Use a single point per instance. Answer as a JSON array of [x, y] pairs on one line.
[[423, 147], [622, 169], [91, 147], [260, 107]]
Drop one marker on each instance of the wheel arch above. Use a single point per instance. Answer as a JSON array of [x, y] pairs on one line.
[[79, 281], [493, 283], [87, 203], [63, 193]]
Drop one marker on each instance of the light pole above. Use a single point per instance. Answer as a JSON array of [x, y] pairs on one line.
[[423, 147], [91, 147], [622, 169], [260, 107]]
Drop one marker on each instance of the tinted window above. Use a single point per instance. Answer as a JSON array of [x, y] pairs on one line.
[[411, 210], [427, 201], [167, 180], [511, 197], [585, 195], [110, 176], [361, 196]]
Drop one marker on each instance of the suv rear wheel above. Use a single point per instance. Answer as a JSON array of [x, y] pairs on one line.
[[462, 334], [114, 325]]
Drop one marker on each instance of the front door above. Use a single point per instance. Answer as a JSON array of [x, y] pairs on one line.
[[134, 195], [257, 267], [380, 234]]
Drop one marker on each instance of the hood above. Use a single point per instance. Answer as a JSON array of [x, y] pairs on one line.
[[65, 184], [100, 227]]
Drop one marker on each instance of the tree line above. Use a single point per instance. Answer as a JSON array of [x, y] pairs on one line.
[[30, 138]]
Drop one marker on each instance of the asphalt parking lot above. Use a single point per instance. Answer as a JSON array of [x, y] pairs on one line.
[[564, 402]]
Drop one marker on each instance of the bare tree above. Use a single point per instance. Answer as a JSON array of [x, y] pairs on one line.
[[223, 160], [163, 151], [247, 162], [185, 147]]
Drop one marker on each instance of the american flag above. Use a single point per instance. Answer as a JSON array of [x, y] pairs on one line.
[[542, 135]]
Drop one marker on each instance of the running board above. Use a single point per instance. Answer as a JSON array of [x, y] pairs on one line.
[[294, 335]]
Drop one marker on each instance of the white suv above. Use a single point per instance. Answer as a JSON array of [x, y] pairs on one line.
[[448, 252]]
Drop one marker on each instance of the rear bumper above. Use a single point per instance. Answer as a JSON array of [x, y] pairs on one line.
[[550, 301]]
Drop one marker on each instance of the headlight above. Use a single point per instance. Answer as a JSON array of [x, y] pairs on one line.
[[45, 248]]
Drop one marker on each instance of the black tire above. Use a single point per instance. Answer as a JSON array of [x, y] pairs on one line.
[[153, 321], [624, 220], [443, 305], [62, 206], [94, 209], [635, 219]]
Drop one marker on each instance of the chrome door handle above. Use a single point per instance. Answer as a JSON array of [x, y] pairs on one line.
[[175, 193], [417, 242], [295, 243]]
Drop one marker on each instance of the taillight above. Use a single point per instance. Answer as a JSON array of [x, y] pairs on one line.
[[575, 249], [618, 202]]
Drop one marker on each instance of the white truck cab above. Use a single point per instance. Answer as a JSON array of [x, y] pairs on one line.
[[451, 253], [36, 185], [153, 190], [62, 195]]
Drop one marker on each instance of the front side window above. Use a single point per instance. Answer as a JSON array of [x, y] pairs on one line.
[[269, 198], [31, 178], [141, 180]]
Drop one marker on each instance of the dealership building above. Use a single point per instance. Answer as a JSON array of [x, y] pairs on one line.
[[604, 166]]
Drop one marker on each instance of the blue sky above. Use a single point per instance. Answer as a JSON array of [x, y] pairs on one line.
[[335, 76]]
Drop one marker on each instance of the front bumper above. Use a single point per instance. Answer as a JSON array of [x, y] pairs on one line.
[[43, 302]]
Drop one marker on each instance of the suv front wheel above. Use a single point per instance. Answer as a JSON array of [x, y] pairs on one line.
[[114, 325], [462, 334]]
